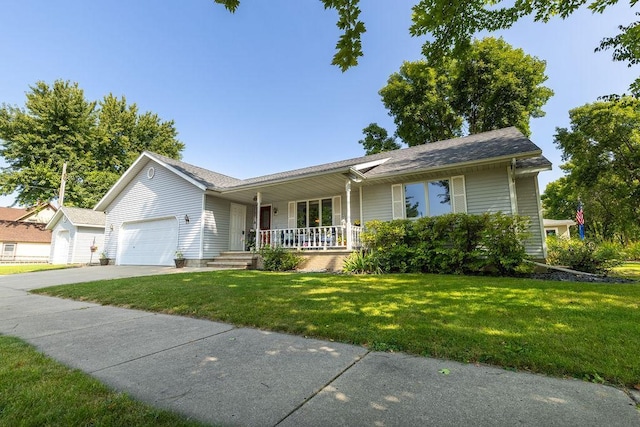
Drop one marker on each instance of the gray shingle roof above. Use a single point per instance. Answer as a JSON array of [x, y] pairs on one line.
[[209, 179], [487, 146], [79, 216], [501, 143]]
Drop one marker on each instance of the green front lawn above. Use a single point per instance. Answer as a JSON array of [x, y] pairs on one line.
[[629, 270], [588, 331], [27, 268], [37, 391]]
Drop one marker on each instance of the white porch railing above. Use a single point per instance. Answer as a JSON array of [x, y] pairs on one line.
[[334, 237]]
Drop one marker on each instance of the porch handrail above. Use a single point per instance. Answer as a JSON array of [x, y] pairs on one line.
[[329, 237]]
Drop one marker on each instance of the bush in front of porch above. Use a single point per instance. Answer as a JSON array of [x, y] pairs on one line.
[[276, 258], [447, 244]]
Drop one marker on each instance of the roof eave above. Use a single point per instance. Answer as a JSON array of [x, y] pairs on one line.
[[54, 220], [537, 169], [257, 185]]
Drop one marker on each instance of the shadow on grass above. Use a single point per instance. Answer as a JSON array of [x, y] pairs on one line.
[[558, 328]]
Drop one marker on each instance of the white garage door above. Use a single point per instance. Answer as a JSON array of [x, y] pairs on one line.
[[148, 243]]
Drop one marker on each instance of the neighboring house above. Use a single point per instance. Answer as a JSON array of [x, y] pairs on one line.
[[558, 227], [23, 237], [11, 214], [42, 213], [24, 242], [161, 205], [74, 232]]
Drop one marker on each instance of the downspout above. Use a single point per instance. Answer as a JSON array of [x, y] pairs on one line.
[[511, 170]]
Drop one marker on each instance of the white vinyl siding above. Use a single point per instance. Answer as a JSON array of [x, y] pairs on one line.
[[216, 226], [488, 191], [164, 195], [376, 203], [529, 205], [83, 240]]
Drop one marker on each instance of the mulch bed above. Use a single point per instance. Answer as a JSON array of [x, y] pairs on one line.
[[571, 277]]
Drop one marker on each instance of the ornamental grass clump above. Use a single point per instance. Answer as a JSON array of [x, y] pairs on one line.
[[361, 262]]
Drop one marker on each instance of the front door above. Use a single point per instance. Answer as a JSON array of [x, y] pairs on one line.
[[237, 227]]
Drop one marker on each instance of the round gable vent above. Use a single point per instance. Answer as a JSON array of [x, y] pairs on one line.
[[150, 172]]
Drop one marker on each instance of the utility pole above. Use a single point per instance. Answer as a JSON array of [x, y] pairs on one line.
[[63, 182]]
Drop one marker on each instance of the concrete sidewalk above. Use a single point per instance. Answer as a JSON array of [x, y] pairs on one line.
[[225, 375]]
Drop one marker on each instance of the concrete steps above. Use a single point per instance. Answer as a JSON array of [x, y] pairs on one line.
[[234, 261]]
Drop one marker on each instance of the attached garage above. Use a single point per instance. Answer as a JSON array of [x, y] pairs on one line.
[[151, 242]]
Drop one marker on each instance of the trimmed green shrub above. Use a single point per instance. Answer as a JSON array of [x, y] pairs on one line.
[[583, 255], [276, 258], [503, 241], [632, 251], [453, 243]]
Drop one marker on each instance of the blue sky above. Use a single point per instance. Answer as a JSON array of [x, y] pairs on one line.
[[254, 92]]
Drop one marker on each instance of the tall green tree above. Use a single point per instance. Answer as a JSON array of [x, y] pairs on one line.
[[98, 141], [377, 139], [496, 86], [418, 98], [602, 154], [451, 24], [492, 86]]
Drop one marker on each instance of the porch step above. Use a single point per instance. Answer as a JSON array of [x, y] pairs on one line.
[[234, 261]]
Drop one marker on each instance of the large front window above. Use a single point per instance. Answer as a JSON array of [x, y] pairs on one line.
[[314, 213], [430, 198]]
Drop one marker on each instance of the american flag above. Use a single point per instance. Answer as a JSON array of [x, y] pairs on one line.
[[580, 214]]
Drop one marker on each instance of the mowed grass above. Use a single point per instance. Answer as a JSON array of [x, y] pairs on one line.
[[27, 268], [629, 270], [37, 391], [587, 331]]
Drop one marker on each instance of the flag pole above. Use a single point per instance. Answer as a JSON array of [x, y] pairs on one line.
[[580, 219]]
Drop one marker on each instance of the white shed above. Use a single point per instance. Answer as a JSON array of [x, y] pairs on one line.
[[75, 232]]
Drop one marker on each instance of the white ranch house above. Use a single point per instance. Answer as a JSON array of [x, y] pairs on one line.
[[161, 205]]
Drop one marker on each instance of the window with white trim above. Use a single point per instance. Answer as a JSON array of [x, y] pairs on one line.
[[316, 212], [429, 198], [8, 251]]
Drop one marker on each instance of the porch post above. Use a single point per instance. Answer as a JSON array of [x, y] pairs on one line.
[[258, 202], [349, 237]]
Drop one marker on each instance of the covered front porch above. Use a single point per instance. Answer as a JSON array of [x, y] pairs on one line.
[[321, 212]]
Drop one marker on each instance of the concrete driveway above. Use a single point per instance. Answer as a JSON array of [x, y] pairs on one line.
[[225, 375], [42, 279]]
